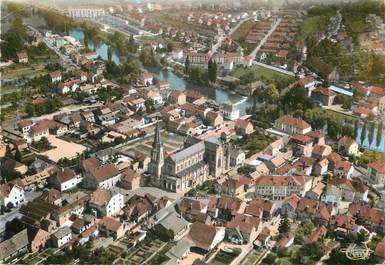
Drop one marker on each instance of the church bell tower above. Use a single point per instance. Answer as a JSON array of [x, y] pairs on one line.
[[157, 157]]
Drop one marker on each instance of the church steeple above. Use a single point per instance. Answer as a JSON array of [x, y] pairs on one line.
[[157, 156]]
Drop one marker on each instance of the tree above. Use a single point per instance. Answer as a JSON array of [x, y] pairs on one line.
[[8, 152], [284, 226], [212, 71], [379, 133], [272, 93], [363, 132], [371, 132], [187, 65], [18, 156]]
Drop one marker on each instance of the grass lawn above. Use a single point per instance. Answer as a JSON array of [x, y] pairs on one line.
[[208, 187], [250, 258], [254, 143], [224, 258], [244, 29], [260, 72], [19, 70], [9, 89], [313, 25]]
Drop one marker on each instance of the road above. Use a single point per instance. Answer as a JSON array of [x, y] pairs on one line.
[[64, 57], [255, 51], [66, 109], [29, 196], [215, 47]]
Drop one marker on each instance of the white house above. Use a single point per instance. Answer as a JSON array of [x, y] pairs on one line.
[[55, 76], [65, 179], [11, 193], [292, 125], [102, 177], [62, 236], [280, 187], [230, 111], [106, 202], [177, 54]]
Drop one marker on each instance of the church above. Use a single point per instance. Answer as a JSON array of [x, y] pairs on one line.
[[189, 167]]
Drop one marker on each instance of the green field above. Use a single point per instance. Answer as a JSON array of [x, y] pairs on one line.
[[244, 29], [260, 72], [224, 258], [250, 258]]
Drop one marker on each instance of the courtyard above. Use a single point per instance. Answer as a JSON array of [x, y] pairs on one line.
[[63, 149], [171, 142]]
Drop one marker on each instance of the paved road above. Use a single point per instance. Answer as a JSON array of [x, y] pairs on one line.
[[66, 109], [255, 51], [64, 57]]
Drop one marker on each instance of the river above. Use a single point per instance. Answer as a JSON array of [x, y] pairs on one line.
[[176, 82], [373, 146]]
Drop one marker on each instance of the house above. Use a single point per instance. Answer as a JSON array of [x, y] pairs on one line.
[[205, 237], [179, 252], [106, 202], [163, 84], [344, 169], [39, 131], [292, 125], [13, 165], [321, 167], [130, 179], [11, 194], [81, 224], [170, 220], [324, 96], [348, 146], [56, 76], [316, 235], [286, 241], [280, 187], [230, 111], [102, 176], [14, 247], [343, 223], [177, 97], [352, 191], [320, 151], [134, 103], [371, 218], [138, 208], [25, 126], [152, 96], [243, 127], [38, 239], [22, 57], [308, 82], [214, 119], [381, 105], [380, 249], [61, 237], [319, 212], [289, 205], [275, 147], [237, 157], [302, 145], [223, 206], [177, 54], [147, 78], [65, 179], [109, 226], [242, 229], [69, 86], [235, 187], [261, 208], [376, 171]]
